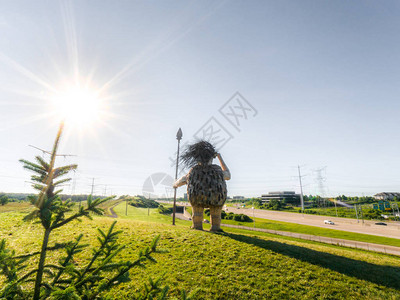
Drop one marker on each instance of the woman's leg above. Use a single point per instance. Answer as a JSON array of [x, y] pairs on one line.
[[215, 214], [197, 217]]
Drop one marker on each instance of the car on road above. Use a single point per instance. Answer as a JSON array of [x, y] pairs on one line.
[[381, 223], [329, 222]]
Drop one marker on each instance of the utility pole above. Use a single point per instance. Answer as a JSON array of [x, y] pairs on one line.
[[398, 212], [301, 190], [361, 212], [355, 207], [335, 206], [91, 192], [178, 137]]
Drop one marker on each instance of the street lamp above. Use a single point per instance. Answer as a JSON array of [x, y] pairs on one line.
[[178, 137]]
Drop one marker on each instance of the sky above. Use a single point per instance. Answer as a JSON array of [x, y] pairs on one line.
[[278, 86]]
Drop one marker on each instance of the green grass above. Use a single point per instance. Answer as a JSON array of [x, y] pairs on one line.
[[318, 231], [231, 265], [313, 230], [15, 206], [143, 214]]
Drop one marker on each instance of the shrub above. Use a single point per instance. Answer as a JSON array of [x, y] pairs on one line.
[[223, 214], [4, 200], [163, 210], [242, 218], [142, 202], [231, 216]]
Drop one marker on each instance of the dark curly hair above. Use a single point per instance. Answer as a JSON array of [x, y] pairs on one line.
[[200, 152]]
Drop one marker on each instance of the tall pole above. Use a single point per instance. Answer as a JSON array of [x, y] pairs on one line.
[[355, 207], [362, 216], [178, 137], [335, 206], [301, 189], [91, 192], [398, 212]]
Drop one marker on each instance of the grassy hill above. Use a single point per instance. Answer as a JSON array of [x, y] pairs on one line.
[[229, 265]]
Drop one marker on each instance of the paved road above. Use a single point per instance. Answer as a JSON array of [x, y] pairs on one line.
[[368, 227], [113, 213]]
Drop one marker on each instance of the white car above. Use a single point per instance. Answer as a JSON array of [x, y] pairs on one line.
[[329, 222]]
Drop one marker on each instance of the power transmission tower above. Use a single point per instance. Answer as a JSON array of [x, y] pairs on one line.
[[320, 181], [93, 185], [105, 190], [301, 190]]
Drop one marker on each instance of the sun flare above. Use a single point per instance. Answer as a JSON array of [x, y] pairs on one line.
[[79, 106]]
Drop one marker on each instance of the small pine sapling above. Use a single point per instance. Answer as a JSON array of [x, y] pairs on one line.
[[65, 279]]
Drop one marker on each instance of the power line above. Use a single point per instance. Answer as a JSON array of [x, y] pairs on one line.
[[48, 152]]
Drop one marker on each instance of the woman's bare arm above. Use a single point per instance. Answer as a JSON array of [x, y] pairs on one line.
[[181, 181], [227, 173]]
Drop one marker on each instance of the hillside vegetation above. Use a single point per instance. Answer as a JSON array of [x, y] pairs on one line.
[[230, 265]]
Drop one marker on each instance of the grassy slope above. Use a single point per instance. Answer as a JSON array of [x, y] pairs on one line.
[[15, 206], [313, 230], [141, 214], [231, 265]]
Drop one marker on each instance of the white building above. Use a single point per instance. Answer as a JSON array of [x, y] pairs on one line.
[[386, 196]]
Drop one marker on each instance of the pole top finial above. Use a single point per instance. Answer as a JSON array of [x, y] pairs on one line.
[[179, 134]]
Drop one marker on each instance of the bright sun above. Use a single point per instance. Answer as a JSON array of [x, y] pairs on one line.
[[79, 106]]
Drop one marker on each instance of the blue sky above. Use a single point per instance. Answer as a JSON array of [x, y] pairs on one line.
[[322, 75]]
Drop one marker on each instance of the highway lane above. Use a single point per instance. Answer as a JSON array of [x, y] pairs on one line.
[[345, 224]]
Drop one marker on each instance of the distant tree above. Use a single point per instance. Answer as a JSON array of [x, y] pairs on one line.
[[142, 202], [4, 200], [256, 202], [373, 214], [275, 204]]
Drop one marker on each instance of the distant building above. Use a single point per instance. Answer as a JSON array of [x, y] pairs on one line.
[[238, 198], [386, 196], [289, 196], [185, 196]]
